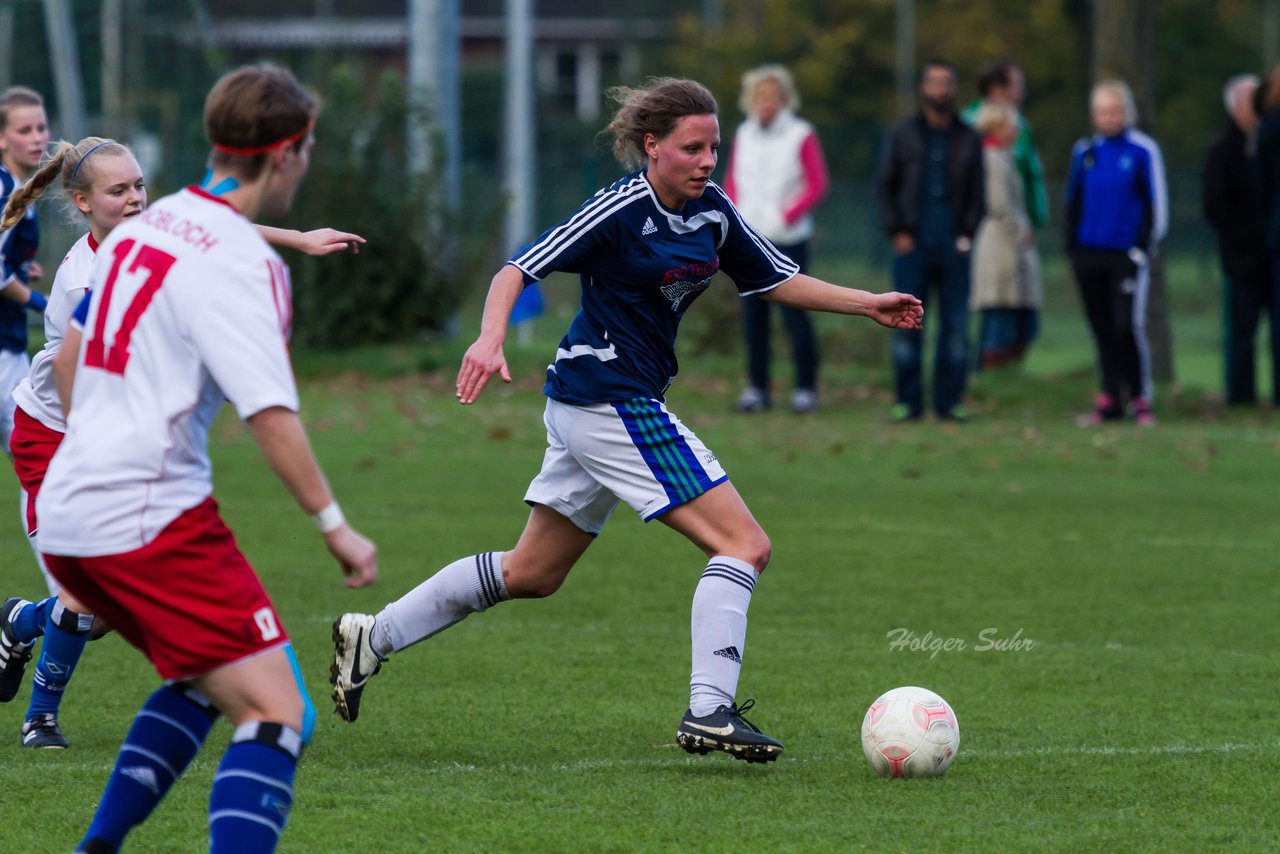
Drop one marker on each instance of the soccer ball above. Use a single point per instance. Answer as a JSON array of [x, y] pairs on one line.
[[910, 732]]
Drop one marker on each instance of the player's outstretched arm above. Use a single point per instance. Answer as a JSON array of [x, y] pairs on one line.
[[894, 310], [280, 435], [485, 358], [320, 241]]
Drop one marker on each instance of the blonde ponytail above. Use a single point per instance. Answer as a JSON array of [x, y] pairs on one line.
[[27, 194]]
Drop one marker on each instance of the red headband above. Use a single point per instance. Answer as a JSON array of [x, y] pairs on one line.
[[265, 149]]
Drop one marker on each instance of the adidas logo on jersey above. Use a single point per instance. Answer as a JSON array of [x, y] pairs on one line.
[[731, 653], [649, 227]]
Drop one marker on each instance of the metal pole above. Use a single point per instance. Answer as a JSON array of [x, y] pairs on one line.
[[518, 135], [712, 13], [1270, 34], [112, 67], [423, 24], [66, 67], [451, 99], [434, 91], [905, 57], [6, 46]]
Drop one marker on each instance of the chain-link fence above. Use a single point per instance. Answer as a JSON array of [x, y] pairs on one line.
[[169, 59]]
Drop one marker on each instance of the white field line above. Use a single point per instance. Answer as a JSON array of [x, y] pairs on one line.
[[588, 765]]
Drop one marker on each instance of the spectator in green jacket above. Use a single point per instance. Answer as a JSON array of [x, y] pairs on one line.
[[1003, 83]]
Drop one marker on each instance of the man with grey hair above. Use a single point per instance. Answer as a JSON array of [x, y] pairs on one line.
[[1231, 205]]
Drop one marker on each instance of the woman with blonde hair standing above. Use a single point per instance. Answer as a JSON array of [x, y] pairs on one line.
[[776, 177], [1117, 212]]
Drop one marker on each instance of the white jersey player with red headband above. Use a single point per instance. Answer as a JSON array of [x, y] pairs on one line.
[[191, 307], [100, 179]]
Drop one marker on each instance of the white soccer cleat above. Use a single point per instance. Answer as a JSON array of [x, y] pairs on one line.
[[354, 662]]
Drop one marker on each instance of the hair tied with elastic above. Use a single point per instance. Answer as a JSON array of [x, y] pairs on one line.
[[85, 157]]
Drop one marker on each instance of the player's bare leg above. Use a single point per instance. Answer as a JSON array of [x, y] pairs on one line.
[[737, 548], [547, 550]]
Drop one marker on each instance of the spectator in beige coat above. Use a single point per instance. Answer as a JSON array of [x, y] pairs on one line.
[[1006, 289]]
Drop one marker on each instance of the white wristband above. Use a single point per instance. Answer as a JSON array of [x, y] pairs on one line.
[[330, 518]]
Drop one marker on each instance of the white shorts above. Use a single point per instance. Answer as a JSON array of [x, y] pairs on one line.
[[14, 367], [636, 452]]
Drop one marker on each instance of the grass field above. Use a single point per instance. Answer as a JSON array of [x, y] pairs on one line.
[[1140, 564]]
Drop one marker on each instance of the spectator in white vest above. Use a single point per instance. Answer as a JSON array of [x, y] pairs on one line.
[[776, 176]]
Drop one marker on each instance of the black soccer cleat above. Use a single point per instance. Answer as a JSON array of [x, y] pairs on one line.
[[726, 729], [354, 663], [13, 655], [43, 731]]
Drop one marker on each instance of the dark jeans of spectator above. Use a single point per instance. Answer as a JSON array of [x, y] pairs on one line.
[[918, 272], [1244, 301], [1005, 335], [799, 326]]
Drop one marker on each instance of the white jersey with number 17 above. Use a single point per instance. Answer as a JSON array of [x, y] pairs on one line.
[[189, 307]]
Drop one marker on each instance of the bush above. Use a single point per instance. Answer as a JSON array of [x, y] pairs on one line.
[[421, 258]]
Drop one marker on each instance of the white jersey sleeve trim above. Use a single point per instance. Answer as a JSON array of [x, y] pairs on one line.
[[768, 288]]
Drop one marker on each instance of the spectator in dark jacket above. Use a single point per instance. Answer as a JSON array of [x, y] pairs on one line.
[[1231, 206], [931, 193], [1267, 162]]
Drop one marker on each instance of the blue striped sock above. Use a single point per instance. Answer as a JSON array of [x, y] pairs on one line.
[[65, 634], [30, 622], [253, 789], [166, 735]]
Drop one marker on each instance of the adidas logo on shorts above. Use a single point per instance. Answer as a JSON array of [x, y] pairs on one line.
[[649, 227], [731, 653]]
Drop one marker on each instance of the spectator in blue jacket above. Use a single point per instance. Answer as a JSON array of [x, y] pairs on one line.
[[1117, 211]]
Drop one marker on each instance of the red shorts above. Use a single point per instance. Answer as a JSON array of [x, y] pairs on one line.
[[32, 446], [189, 600]]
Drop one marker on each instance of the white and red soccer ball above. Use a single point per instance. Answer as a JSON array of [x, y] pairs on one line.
[[910, 732]]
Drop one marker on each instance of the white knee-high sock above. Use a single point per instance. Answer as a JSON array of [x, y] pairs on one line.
[[719, 629], [463, 587]]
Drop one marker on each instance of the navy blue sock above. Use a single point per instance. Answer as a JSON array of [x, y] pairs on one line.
[[253, 789], [166, 735], [65, 634], [31, 620]]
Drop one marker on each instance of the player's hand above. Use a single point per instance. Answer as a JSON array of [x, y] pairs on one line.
[[35, 271], [356, 554], [326, 241], [897, 311], [483, 359]]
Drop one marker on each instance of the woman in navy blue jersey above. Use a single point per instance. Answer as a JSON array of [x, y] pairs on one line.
[[645, 247], [24, 134]]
